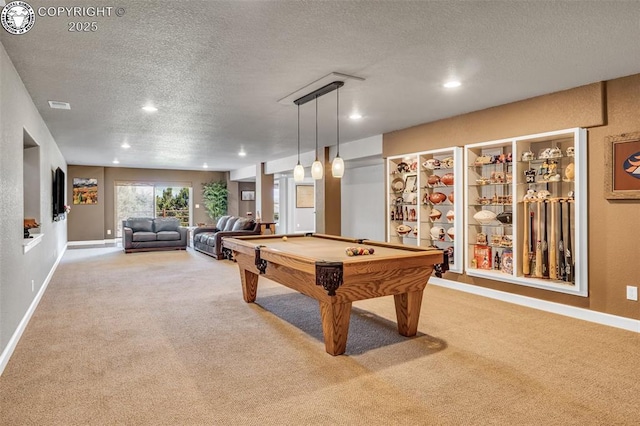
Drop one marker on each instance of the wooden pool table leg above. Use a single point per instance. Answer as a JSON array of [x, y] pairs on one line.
[[335, 326], [249, 285], [408, 312]]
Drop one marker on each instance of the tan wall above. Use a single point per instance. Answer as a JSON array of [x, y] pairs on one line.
[[333, 199], [91, 222], [86, 221], [613, 236], [328, 200], [579, 107], [246, 206], [605, 108]]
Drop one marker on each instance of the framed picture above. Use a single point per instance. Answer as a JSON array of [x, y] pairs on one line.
[[248, 195], [622, 167], [85, 191], [410, 183], [304, 196]]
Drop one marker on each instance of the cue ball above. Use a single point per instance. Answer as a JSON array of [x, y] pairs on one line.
[[284, 238]]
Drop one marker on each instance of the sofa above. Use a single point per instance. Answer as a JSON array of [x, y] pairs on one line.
[[149, 234], [208, 239]]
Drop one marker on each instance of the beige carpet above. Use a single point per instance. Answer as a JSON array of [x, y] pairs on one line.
[[166, 339]]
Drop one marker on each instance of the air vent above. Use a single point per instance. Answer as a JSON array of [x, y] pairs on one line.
[[59, 105]]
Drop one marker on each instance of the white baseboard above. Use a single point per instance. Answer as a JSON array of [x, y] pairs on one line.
[[15, 338], [109, 242], [543, 305]]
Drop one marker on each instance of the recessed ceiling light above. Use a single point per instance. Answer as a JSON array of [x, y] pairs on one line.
[[451, 84], [205, 166], [59, 105], [125, 146], [149, 108], [116, 161], [242, 153], [355, 116]]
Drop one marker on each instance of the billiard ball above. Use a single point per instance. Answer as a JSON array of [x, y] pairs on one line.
[[284, 238]]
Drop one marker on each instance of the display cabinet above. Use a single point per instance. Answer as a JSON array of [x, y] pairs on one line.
[[421, 204], [403, 207], [440, 218], [525, 210]]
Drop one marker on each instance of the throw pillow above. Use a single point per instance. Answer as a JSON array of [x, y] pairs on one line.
[[166, 224], [229, 226], [140, 224], [240, 224], [222, 222]]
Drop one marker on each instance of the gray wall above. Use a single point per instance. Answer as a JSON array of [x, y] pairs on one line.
[[17, 114], [363, 208]]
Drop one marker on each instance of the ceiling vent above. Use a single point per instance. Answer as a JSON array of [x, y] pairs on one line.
[[59, 105]]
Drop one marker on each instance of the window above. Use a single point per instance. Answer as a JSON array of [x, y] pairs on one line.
[[140, 199]]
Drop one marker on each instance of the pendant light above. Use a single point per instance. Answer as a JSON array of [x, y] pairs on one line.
[[298, 171], [337, 167], [316, 167]]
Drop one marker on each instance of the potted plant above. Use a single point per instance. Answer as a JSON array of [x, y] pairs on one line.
[[215, 195]]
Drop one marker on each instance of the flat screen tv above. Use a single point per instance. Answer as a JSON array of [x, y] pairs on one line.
[[58, 192]]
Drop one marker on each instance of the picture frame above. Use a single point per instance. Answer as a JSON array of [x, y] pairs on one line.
[[85, 191], [410, 183], [305, 195], [622, 167], [247, 195]]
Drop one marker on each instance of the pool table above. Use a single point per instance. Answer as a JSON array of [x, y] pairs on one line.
[[318, 266]]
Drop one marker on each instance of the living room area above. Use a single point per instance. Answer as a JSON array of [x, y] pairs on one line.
[[303, 133]]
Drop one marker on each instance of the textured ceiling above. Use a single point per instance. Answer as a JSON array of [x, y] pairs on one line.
[[216, 70]]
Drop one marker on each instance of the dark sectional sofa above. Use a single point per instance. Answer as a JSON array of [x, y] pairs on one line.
[[208, 240], [149, 234]]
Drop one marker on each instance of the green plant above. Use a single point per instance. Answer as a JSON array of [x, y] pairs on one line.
[[215, 195]]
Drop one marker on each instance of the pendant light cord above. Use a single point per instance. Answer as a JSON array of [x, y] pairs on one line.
[[298, 133], [338, 119], [316, 128]]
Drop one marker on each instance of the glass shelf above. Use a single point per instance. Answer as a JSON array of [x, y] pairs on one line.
[[479, 196], [450, 162], [543, 160], [490, 184]]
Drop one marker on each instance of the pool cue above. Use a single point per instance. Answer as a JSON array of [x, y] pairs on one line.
[[561, 271], [545, 245], [526, 265], [553, 259], [538, 257], [567, 253]]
